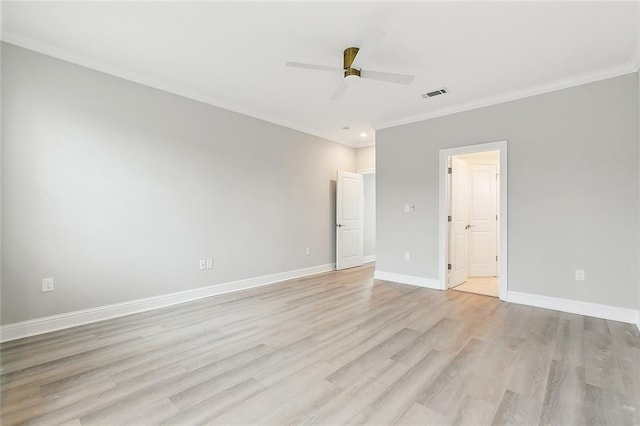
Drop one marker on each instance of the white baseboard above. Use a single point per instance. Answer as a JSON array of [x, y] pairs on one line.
[[408, 279], [369, 259], [614, 313], [42, 325]]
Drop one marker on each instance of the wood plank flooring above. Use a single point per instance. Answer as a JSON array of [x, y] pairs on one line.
[[336, 348]]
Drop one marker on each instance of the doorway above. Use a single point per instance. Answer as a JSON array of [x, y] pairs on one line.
[[473, 219]]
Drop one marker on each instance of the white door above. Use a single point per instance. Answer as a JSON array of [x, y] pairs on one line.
[[349, 220], [459, 222], [483, 220]]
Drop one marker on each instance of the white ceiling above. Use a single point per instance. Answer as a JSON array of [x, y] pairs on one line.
[[233, 54]]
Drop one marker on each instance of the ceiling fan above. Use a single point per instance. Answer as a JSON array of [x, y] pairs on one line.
[[353, 58]]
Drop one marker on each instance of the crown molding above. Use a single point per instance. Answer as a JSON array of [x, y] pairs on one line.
[[97, 65], [578, 80], [363, 144], [91, 63]]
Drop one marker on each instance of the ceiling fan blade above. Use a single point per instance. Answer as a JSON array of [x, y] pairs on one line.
[[388, 76], [313, 67], [340, 90], [367, 48]]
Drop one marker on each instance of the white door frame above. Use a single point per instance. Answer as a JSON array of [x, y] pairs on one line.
[[442, 173]]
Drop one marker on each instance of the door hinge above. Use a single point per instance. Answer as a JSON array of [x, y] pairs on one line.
[[496, 257], [496, 217], [448, 266], [449, 170], [448, 218]]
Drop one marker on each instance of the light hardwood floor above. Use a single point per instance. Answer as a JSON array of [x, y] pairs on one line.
[[480, 285], [333, 349]]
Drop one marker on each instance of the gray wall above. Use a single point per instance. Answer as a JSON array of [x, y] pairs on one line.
[[117, 190], [369, 185], [572, 196]]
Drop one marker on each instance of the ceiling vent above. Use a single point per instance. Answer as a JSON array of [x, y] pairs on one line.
[[435, 93]]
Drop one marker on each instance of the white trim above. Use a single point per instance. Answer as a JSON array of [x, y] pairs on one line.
[[363, 144], [94, 64], [369, 259], [614, 313], [22, 329], [66, 55], [442, 237], [407, 279], [578, 80]]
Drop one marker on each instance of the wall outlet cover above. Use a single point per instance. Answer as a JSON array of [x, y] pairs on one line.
[[47, 284], [203, 264]]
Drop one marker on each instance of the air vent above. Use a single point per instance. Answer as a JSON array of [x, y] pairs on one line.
[[435, 93]]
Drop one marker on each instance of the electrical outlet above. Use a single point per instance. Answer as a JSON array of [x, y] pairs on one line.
[[209, 263], [203, 264], [408, 208], [579, 274], [407, 256], [47, 285], [308, 251]]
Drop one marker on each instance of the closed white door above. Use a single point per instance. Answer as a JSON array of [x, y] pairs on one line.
[[349, 220], [459, 222], [483, 220]]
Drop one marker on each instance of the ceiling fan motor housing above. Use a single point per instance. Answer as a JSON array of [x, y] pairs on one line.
[[349, 55]]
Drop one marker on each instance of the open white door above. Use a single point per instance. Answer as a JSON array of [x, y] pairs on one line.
[[349, 220], [483, 220], [458, 243]]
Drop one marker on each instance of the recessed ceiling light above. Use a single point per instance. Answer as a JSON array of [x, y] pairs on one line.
[[363, 135], [346, 128]]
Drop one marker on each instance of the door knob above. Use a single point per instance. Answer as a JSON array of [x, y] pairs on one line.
[[469, 226], [340, 225]]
